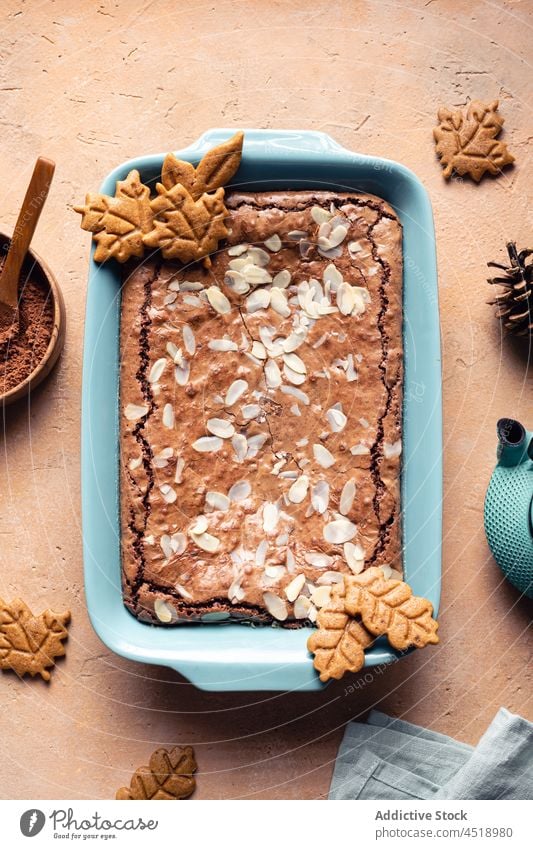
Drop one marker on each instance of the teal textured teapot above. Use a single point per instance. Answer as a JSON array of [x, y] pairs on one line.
[[509, 505]]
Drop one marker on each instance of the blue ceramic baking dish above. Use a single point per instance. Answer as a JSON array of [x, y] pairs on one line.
[[236, 657]]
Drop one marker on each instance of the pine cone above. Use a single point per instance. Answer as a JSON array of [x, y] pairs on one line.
[[514, 306]]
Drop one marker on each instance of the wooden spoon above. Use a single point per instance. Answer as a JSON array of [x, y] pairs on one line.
[[31, 209]]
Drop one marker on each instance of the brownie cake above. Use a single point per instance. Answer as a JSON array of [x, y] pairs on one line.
[[261, 413]]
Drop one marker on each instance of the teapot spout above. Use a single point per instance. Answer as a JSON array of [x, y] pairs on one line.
[[515, 443]]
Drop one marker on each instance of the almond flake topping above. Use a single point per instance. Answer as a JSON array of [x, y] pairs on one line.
[[182, 372], [168, 416], [220, 427], [296, 393], [240, 446], [294, 362], [282, 279], [318, 559], [251, 411], [273, 243], [217, 500], [272, 374], [359, 449], [320, 496], [163, 611], [354, 556], [321, 596], [218, 300], [270, 517], [260, 553], [293, 590], [298, 490], [258, 300], [240, 491], [134, 412], [391, 451], [347, 497], [169, 494], [259, 350], [279, 302], [199, 526], [237, 250], [208, 444], [189, 339], [339, 531], [207, 542], [336, 420], [276, 606], [222, 345], [302, 607], [323, 457], [237, 388], [157, 370]]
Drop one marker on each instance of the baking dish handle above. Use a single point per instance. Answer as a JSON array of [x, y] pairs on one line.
[[312, 143]]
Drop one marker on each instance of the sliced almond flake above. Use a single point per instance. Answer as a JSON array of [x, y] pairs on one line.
[[166, 546], [282, 279], [256, 276], [183, 592], [320, 215], [260, 553], [199, 525], [336, 420], [359, 449], [318, 559], [250, 411], [237, 250], [290, 562], [169, 494], [293, 341], [170, 298], [364, 422], [298, 490], [240, 446], [134, 463], [302, 606], [255, 443], [279, 303], [134, 412], [220, 427], [296, 235], [272, 374], [274, 572], [178, 542], [354, 247], [291, 475], [345, 298], [293, 590], [321, 596], [329, 578], [320, 496], [354, 556], [222, 345], [182, 373], [299, 394], [180, 465], [282, 539], [174, 285], [236, 282], [157, 370], [168, 416], [172, 350], [332, 276], [237, 388], [258, 300], [302, 442], [236, 592], [217, 500], [392, 450], [190, 286], [270, 517], [351, 373], [163, 611], [339, 531], [293, 377], [323, 457], [207, 444], [276, 606], [347, 497], [218, 300], [240, 491], [189, 339], [273, 243], [294, 362], [295, 410], [312, 613], [207, 542], [387, 571], [259, 350], [258, 256]]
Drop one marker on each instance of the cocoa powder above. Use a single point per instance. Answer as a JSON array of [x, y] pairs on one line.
[[23, 352]]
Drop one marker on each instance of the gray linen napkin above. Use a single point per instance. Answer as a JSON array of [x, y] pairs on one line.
[[388, 758]]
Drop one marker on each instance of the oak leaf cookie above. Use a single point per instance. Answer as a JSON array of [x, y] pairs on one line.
[[339, 642], [118, 223], [30, 644], [388, 607], [214, 170], [466, 140], [169, 775]]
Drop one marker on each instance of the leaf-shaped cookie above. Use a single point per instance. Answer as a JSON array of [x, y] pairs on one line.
[[118, 223], [29, 644], [169, 775], [216, 168], [339, 642], [466, 140], [185, 228], [388, 607]]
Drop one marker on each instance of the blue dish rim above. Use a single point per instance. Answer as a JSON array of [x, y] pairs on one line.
[[231, 656]]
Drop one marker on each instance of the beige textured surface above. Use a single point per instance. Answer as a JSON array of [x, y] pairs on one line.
[[91, 85]]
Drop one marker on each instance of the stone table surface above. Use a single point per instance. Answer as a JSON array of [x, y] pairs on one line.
[[91, 84]]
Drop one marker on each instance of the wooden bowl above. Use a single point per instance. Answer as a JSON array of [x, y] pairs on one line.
[[40, 272]]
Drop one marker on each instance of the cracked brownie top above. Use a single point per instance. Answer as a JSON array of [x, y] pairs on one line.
[[261, 412]]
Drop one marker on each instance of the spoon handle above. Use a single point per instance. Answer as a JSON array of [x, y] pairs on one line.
[[30, 211]]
